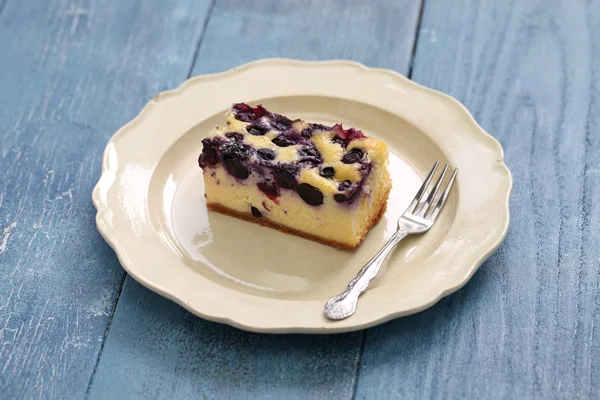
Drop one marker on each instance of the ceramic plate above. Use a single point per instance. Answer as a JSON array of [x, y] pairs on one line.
[[151, 208]]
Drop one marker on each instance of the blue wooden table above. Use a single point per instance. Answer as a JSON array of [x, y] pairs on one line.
[[73, 325]]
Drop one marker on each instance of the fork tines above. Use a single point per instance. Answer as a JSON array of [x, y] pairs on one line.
[[424, 209]]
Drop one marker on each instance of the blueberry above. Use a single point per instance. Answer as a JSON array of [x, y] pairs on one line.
[[320, 127], [344, 185], [235, 148], [266, 154], [209, 155], [233, 155], [347, 134], [354, 196], [259, 111], [340, 198], [235, 167], [310, 194], [339, 141], [311, 154], [268, 188], [327, 172], [279, 127], [284, 177], [354, 133], [280, 122], [306, 133], [283, 141], [348, 197], [243, 112], [235, 136], [353, 156], [242, 107], [257, 130], [256, 212]]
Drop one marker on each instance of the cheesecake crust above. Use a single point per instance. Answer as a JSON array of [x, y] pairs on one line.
[[265, 222]]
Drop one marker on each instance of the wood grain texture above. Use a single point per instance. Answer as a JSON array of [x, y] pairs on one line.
[[157, 350], [71, 73], [527, 325], [154, 348], [377, 33]]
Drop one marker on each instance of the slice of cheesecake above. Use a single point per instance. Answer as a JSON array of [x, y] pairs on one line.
[[323, 183]]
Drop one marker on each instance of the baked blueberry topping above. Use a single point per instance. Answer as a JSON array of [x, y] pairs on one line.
[[327, 172], [283, 141], [242, 108], [233, 154], [284, 176], [209, 155], [260, 111], [353, 156], [235, 167], [340, 141], [320, 127], [245, 113], [234, 136], [308, 152], [311, 154], [266, 154], [245, 116], [347, 134], [310, 194], [306, 133], [257, 129], [344, 185], [280, 122]]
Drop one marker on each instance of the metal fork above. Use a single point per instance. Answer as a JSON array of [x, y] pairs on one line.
[[419, 217]]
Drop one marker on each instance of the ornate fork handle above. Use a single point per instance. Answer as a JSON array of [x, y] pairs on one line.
[[344, 304]]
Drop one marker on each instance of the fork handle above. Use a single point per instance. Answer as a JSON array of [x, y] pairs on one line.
[[343, 305]]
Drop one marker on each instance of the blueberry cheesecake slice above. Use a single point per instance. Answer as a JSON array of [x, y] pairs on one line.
[[324, 183]]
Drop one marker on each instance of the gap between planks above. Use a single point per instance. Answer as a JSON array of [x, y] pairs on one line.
[[2, 4], [110, 318], [201, 38], [416, 38]]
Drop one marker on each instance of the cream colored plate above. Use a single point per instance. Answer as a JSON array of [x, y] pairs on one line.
[[151, 207]]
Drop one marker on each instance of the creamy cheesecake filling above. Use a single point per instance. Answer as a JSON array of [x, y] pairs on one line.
[[332, 220], [328, 182]]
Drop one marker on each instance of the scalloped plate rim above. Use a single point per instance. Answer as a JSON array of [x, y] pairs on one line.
[[112, 239]]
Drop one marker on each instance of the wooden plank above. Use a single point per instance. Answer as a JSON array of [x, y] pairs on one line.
[[71, 74], [526, 326], [376, 33], [155, 349]]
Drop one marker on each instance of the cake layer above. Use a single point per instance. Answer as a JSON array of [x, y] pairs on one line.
[[265, 222], [339, 224]]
